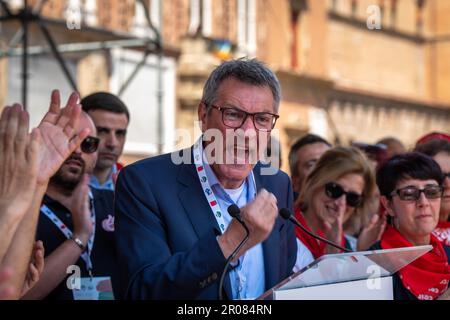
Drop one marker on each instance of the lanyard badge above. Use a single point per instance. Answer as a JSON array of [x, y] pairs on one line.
[[86, 255]]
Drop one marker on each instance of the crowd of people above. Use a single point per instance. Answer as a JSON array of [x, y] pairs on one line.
[[76, 224]]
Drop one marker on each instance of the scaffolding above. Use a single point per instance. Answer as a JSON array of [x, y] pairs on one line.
[[29, 20]]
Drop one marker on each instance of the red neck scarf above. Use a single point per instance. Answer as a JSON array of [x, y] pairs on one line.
[[442, 232], [443, 224], [426, 277], [316, 247]]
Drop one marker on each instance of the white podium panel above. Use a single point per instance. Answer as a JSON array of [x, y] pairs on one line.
[[351, 275], [352, 290]]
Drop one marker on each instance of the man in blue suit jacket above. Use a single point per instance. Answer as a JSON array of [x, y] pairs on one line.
[[173, 230]]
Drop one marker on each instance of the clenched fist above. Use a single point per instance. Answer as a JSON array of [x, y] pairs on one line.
[[259, 216]]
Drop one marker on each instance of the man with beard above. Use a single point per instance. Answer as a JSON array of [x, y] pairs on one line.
[[76, 227], [111, 117]]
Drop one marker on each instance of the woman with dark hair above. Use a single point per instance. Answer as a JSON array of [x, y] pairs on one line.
[[410, 185]]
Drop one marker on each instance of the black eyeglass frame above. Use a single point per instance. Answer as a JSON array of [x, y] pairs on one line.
[[223, 109], [398, 193]]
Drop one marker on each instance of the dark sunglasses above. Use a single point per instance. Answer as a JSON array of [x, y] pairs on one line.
[[411, 193], [90, 144], [335, 191]]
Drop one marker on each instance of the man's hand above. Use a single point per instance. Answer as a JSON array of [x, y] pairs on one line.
[[18, 162], [36, 267], [81, 213], [259, 216], [58, 129]]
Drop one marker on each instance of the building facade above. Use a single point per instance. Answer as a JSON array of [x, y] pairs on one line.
[[350, 70]]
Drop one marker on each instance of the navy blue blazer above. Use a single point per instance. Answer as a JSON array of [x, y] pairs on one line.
[[166, 233]]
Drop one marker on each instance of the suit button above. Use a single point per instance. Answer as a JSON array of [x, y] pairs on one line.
[[202, 284], [212, 277]]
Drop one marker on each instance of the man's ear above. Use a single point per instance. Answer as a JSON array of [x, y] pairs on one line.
[[202, 114], [387, 204]]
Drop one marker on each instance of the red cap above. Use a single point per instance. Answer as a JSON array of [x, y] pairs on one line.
[[433, 136]]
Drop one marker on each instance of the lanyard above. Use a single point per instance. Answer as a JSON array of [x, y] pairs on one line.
[[215, 207], [86, 255], [207, 190]]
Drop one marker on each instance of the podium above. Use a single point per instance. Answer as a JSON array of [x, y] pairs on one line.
[[365, 275]]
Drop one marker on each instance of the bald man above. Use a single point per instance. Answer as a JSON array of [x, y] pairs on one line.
[[76, 226]]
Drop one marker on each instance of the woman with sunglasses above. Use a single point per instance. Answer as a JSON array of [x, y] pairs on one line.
[[340, 186], [411, 191]]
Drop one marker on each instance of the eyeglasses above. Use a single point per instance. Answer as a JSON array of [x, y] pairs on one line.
[[90, 144], [335, 191], [235, 118], [411, 193]]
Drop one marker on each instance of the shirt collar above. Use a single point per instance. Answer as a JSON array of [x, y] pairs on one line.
[[109, 183]]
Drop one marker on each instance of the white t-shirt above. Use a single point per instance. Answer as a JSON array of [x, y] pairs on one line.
[[236, 194], [304, 256]]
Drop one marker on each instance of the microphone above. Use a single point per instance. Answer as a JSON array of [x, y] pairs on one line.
[[287, 215], [235, 213]]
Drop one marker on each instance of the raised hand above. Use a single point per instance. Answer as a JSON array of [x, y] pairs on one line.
[[259, 216], [60, 136], [36, 267], [371, 233], [18, 165], [81, 213], [333, 231]]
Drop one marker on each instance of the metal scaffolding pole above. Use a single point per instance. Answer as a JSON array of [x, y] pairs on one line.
[[82, 46], [25, 16]]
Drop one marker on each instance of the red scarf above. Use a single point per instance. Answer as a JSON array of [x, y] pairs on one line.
[[316, 247], [442, 232], [426, 277]]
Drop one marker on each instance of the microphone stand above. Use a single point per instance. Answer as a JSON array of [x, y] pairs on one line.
[[287, 215], [235, 212]]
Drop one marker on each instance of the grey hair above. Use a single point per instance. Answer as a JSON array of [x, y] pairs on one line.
[[249, 71]]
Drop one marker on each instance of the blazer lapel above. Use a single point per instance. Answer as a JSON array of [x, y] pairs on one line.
[[196, 206], [194, 201], [270, 245]]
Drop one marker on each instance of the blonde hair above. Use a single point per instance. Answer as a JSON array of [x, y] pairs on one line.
[[333, 164]]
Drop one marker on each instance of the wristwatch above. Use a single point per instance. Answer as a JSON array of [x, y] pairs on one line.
[[79, 243]]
